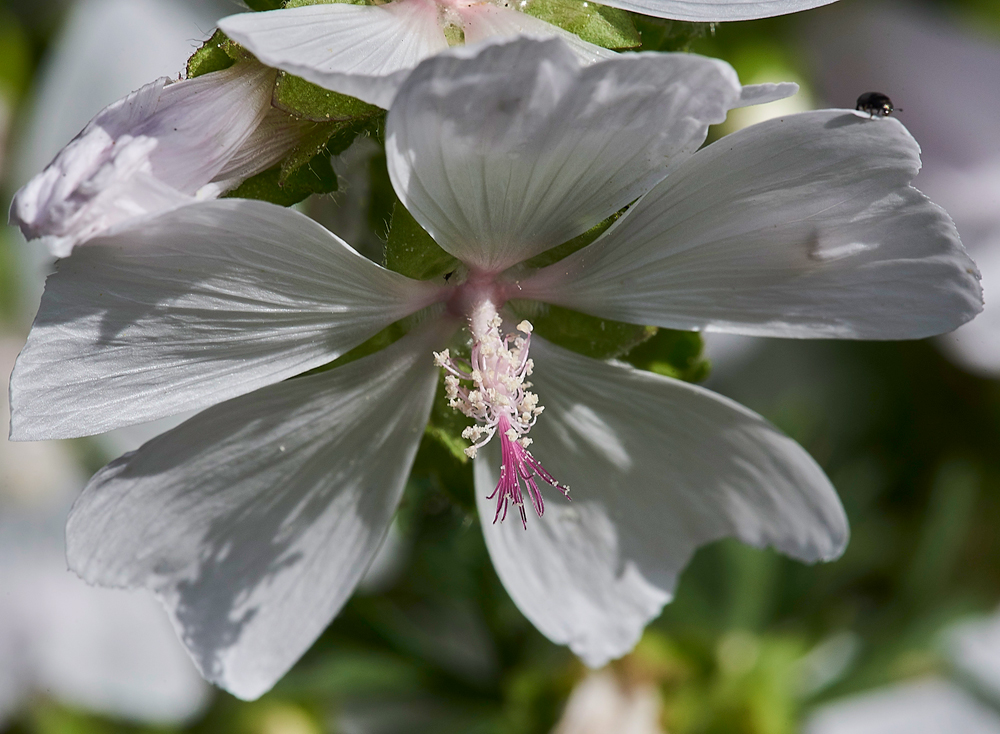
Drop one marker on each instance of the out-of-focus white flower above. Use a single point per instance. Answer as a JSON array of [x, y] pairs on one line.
[[603, 704], [163, 146], [947, 83], [367, 50], [930, 706], [255, 520], [103, 651], [933, 705]]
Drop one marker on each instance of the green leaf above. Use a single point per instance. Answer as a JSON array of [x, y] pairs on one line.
[[607, 27], [411, 251], [676, 354], [581, 333], [215, 54], [263, 4], [566, 249], [303, 99]]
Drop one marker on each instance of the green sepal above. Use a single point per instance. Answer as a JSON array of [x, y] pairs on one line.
[[659, 34], [587, 335], [273, 185], [308, 101], [454, 35], [566, 249], [412, 252], [600, 25], [676, 354], [264, 4], [307, 169], [215, 54]]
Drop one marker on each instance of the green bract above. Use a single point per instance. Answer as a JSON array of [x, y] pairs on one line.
[[607, 27], [215, 54], [308, 101]]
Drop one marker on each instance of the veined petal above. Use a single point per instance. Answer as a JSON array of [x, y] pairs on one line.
[[483, 21], [172, 137], [191, 308], [804, 226], [715, 11], [655, 467], [360, 50], [508, 150], [254, 520], [271, 141]]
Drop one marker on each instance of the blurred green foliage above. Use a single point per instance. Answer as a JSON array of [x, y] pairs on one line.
[[752, 638]]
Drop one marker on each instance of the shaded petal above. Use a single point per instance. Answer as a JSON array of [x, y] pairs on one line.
[[168, 137], [656, 467], [754, 94], [803, 226], [505, 151], [254, 520], [363, 51], [714, 11], [483, 21], [193, 307]]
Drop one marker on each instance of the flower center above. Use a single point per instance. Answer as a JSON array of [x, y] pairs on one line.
[[492, 390]]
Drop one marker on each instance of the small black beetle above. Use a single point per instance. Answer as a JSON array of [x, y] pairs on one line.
[[875, 104]]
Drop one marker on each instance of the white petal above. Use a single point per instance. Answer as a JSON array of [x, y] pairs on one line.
[[714, 11], [483, 21], [363, 51], [931, 706], [254, 521], [754, 94], [193, 307], [273, 139], [169, 138], [803, 226], [521, 147], [655, 467]]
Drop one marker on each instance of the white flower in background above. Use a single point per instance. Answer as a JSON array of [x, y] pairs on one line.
[[969, 703], [95, 649], [926, 66], [163, 146], [603, 703], [367, 50], [254, 520]]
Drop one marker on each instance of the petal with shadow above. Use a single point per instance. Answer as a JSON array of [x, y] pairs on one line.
[[656, 468], [193, 307], [254, 520], [803, 226]]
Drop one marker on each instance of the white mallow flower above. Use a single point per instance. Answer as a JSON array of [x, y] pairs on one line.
[[254, 520], [163, 146], [366, 50]]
